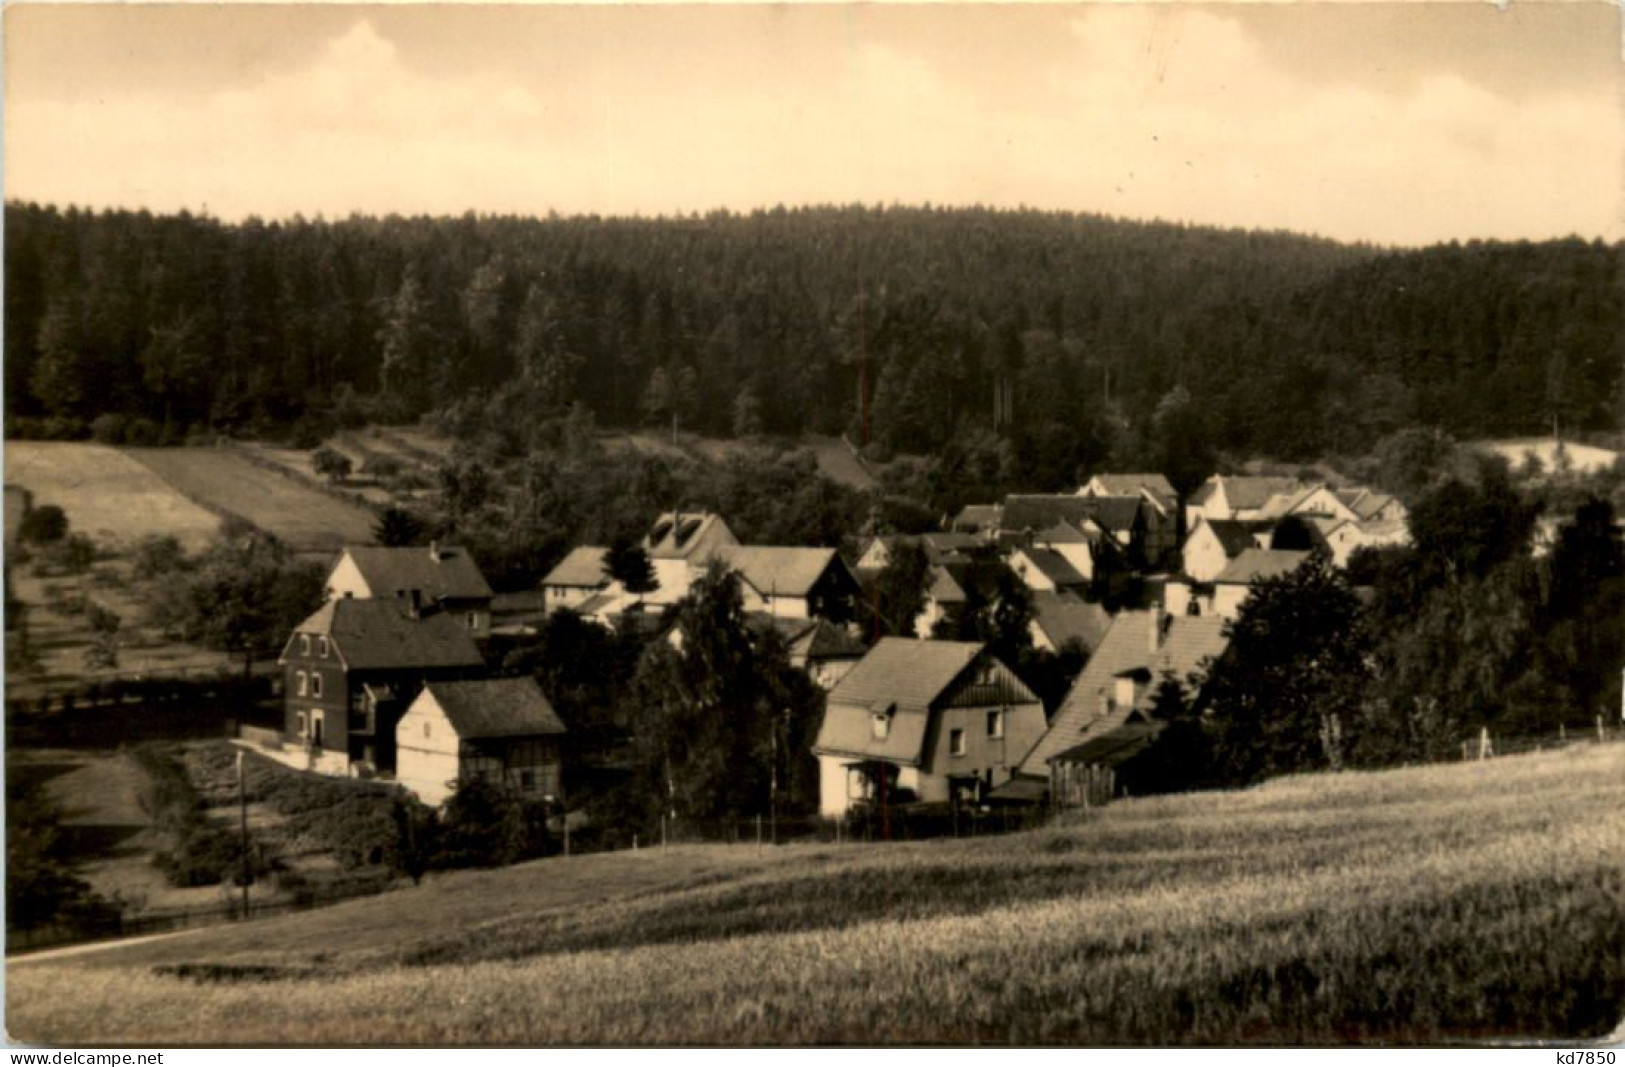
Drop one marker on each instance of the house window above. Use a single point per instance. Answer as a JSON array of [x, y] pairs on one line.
[[956, 742], [527, 781], [425, 729], [315, 684], [995, 724], [322, 646], [304, 644], [881, 726], [304, 726], [473, 621], [302, 683]]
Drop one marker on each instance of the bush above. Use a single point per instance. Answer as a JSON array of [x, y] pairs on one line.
[[43, 525], [331, 464], [108, 429], [75, 554], [145, 433], [157, 557]]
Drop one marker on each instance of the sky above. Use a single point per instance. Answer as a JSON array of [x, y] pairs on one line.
[[1402, 124]]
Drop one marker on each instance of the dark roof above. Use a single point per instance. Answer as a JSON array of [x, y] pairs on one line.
[[1020, 789], [780, 571], [680, 535], [378, 635], [1116, 744], [944, 588], [1186, 642], [978, 515], [496, 707], [1257, 563], [1064, 617], [810, 639], [583, 567], [1054, 566], [1041, 511], [1066, 534], [446, 573], [1235, 535]]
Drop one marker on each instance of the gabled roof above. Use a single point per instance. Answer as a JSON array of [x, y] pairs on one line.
[[1155, 486], [1249, 492], [1115, 740], [1064, 617], [1234, 535], [496, 707], [948, 542], [900, 679], [376, 634], [441, 572], [944, 588], [810, 639], [978, 515], [687, 535], [1066, 534], [582, 568], [1036, 511], [1260, 563], [901, 670], [1186, 642], [1054, 566], [780, 571], [1365, 502]]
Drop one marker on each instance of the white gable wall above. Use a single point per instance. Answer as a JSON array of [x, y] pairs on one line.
[[346, 580], [426, 750], [1204, 554]]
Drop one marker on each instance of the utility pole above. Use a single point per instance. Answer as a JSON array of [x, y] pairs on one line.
[[242, 806]]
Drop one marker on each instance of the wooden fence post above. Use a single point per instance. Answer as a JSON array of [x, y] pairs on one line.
[[1602, 731], [1484, 749]]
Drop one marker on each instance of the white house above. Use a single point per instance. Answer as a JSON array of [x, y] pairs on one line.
[[1232, 585], [694, 536], [437, 577], [1348, 537], [503, 729], [791, 582], [1047, 570], [932, 721], [1213, 543], [1243, 497], [578, 577]]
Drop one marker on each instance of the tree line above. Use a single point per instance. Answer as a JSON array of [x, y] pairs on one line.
[[1069, 339]]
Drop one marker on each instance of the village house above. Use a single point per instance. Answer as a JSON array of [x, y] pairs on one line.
[[1346, 538], [978, 520], [439, 577], [1236, 497], [939, 548], [688, 535], [1048, 571], [1213, 543], [577, 578], [1231, 587], [1060, 619], [1162, 520], [793, 583], [822, 649], [502, 730], [672, 580], [351, 669], [943, 594], [1087, 754], [932, 721]]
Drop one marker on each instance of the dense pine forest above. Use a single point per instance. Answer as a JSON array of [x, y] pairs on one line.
[[1075, 339]]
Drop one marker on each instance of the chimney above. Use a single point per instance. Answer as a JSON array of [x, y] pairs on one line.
[[414, 604], [434, 551], [1154, 644]]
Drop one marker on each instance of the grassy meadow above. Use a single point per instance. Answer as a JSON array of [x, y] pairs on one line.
[[1456, 903]]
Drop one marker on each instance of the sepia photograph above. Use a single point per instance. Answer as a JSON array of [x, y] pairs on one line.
[[580, 526]]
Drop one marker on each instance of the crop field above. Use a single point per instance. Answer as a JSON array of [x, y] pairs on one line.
[[107, 494], [220, 480], [1457, 903]]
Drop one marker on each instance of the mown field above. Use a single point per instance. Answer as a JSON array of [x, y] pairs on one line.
[[106, 494], [308, 519], [1470, 902]]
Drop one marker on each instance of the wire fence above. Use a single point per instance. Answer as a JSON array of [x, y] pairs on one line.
[[1488, 744]]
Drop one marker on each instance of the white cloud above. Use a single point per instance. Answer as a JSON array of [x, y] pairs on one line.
[[1156, 111]]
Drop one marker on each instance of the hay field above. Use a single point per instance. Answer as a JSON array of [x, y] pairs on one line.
[[306, 518], [107, 494], [1453, 903]]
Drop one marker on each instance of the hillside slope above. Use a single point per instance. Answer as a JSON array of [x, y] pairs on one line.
[[1445, 903]]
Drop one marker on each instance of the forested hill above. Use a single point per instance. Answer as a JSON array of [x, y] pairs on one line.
[[783, 321]]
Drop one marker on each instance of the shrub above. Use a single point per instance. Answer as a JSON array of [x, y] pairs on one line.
[[75, 554], [145, 433], [43, 525], [108, 429], [331, 464], [157, 557]]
